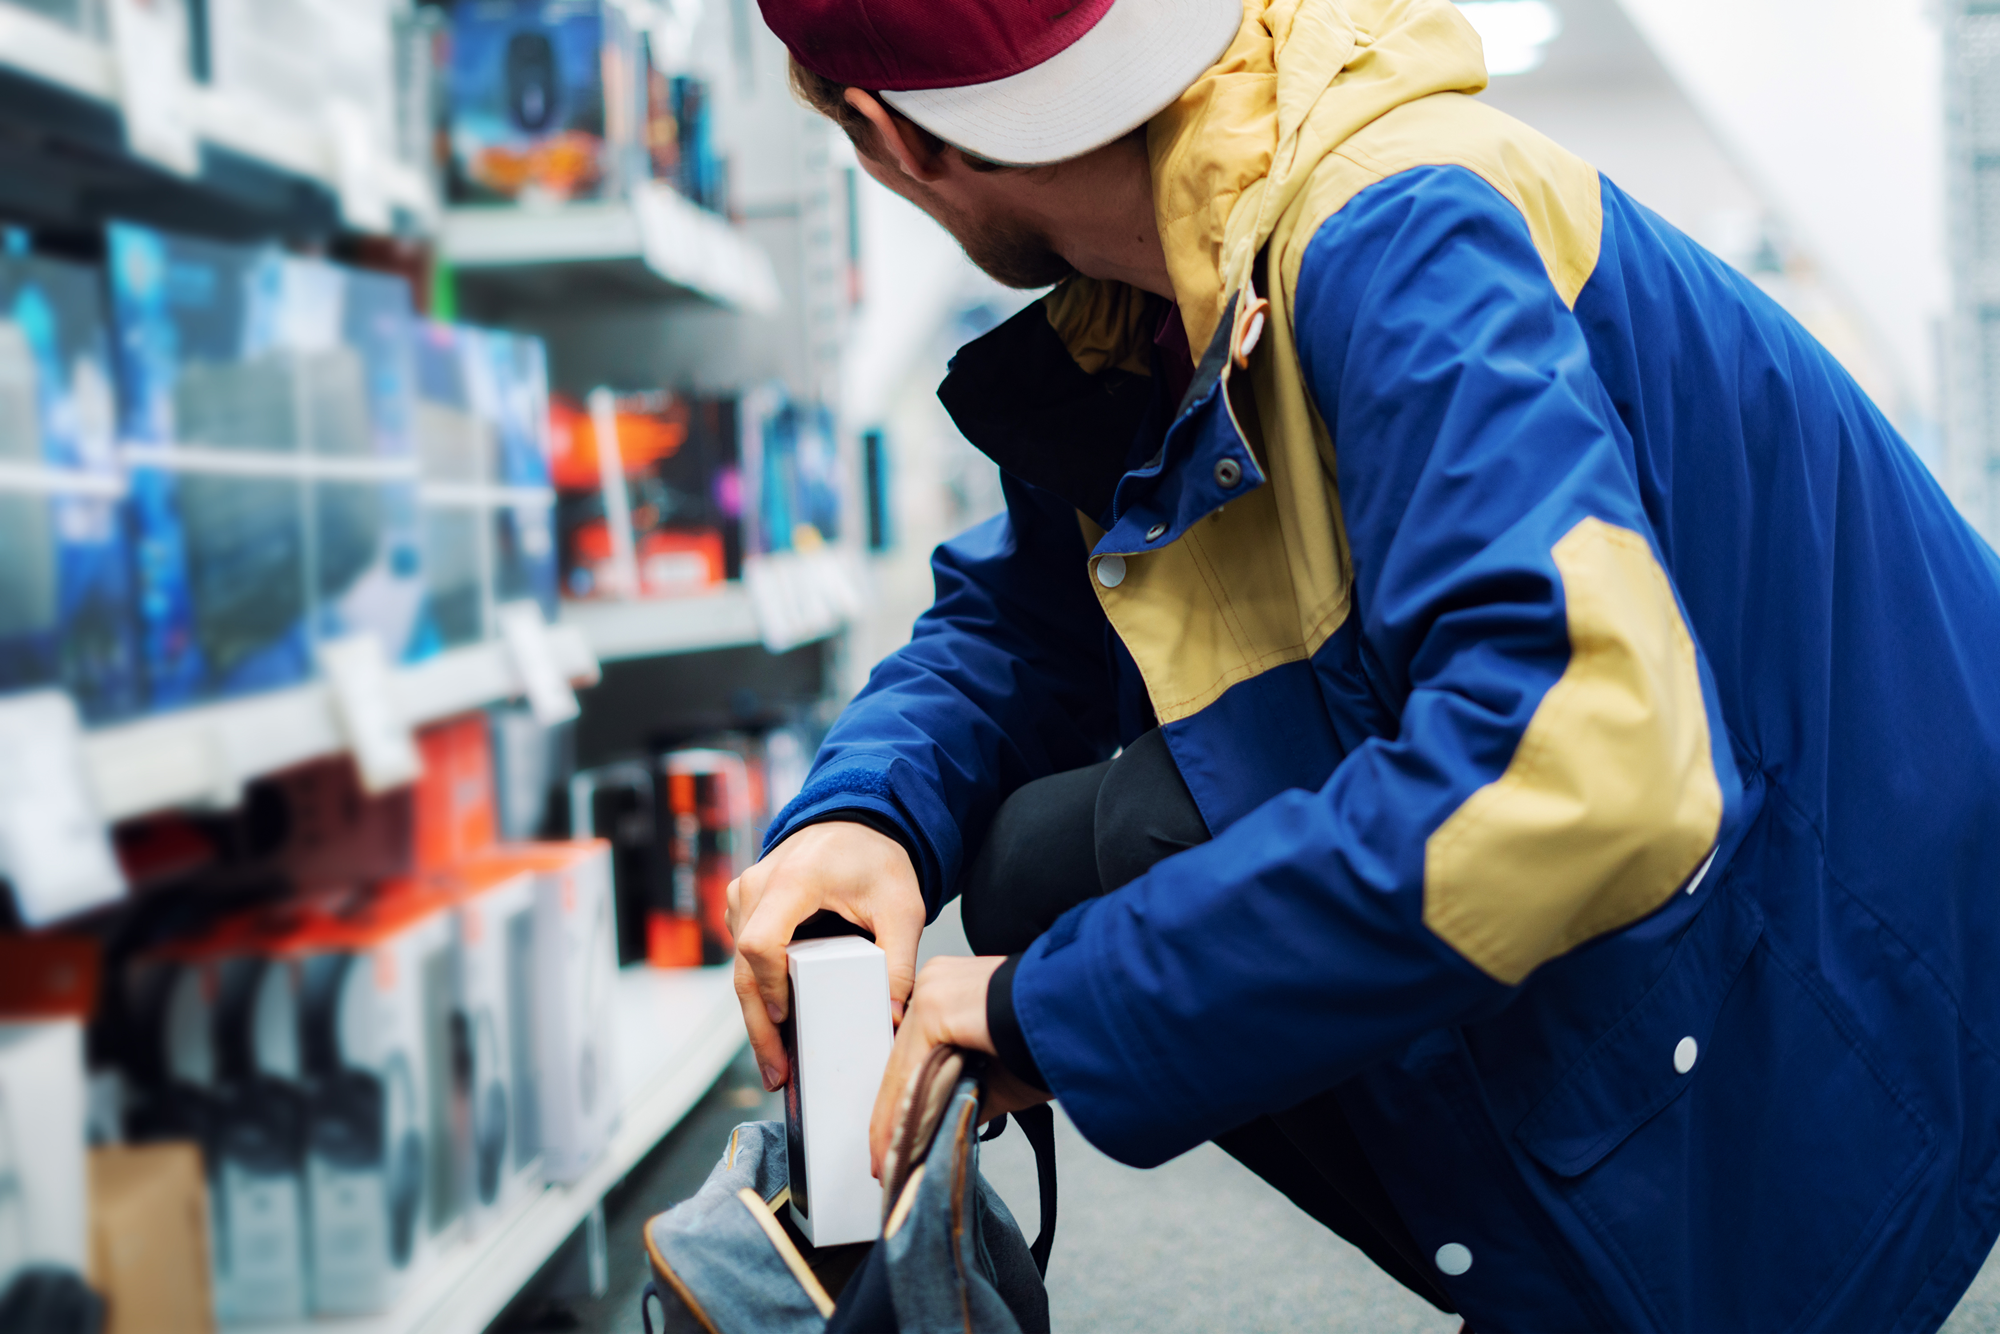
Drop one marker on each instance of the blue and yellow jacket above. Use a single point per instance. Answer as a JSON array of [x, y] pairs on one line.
[[1596, 708]]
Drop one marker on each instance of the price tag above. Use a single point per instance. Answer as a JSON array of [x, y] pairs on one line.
[[364, 698], [54, 849], [358, 169], [149, 43], [526, 635]]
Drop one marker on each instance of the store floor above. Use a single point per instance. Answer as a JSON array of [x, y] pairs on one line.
[[1197, 1245]]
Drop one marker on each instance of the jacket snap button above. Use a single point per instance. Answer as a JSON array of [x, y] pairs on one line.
[[1685, 1052], [1111, 571], [1453, 1259], [1154, 533], [1228, 472]]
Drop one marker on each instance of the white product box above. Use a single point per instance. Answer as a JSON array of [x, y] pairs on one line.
[[378, 995], [575, 953], [493, 910], [42, 1184], [837, 1039]]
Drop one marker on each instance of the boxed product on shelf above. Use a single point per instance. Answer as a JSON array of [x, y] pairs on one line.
[[264, 402], [709, 802], [42, 1147], [214, 1057], [679, 459], [148, 1210], [453, 803], [367, 530], [680, 142], [527, 759], [799, 494], [483, 447], [495, 1112], [547, 100], [378, 994], [575, 965], [66, 593], [619, 803]]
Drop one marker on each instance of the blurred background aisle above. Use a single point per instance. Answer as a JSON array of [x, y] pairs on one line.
[[434, 433]]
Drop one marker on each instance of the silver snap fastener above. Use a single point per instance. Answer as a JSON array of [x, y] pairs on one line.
[[1685, 1052], [1157, 531], [1453, 1259], [1111, 571], [1228, 472]]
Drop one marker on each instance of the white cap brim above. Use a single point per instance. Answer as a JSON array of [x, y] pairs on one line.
[[1128, 68]]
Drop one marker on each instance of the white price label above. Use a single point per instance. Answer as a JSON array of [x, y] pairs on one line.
[[385, 753], [54, 849], [149, 43], [359, 167], [526, 635]]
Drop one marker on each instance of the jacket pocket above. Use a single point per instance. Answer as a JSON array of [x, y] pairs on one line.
[[1730, 1141]]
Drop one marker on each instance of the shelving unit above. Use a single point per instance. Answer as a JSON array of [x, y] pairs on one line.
[[655, 246], [203, 756], [646, 627], [67, 85], [676, 1033]]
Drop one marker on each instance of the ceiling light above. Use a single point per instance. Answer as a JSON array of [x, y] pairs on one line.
[[1514, 32]]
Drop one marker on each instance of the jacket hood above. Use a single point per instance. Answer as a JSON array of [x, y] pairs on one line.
[[1301, 77]]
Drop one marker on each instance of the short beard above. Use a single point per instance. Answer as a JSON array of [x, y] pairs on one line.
[[1011, 255]]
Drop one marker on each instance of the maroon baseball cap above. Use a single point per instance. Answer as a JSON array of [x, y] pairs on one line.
[[1015, 81]]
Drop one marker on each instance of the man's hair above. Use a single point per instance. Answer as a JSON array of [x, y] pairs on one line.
[[829, 98]]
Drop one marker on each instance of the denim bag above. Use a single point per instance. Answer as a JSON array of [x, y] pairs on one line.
[[950, 1260]]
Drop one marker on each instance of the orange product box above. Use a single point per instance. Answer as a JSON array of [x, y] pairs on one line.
[[454, 801]]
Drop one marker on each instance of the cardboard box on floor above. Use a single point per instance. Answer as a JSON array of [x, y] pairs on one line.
[[149, 1238]]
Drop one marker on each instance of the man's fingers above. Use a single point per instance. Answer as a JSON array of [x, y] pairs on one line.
[[905, 1057], [765, 1043], [761, 943], [897, 931], [734, 916]]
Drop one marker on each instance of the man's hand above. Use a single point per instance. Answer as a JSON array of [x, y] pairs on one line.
[[949, 1007], [864, 876]]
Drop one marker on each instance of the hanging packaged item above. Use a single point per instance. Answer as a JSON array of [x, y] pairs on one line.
[[799, 494], [66, 593], [482, 429], [263, 407], [547, 99]]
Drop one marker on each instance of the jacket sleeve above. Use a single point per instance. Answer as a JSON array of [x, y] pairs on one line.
[[1005, 679], [1550, 776]]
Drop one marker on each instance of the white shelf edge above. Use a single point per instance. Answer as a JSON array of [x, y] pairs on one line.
[[649, 627], [44, 49], [472, 1282], [202, 756], [683, 245]]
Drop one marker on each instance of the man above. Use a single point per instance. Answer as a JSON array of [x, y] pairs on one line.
[[1551, 839]]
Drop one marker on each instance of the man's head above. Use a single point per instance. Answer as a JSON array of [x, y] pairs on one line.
[[966, 107]]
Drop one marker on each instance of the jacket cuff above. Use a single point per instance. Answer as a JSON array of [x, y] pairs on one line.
[[1004, 1027], [892, 795]]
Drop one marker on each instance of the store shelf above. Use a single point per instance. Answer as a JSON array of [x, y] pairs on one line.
[[649, 627], [238, 137], [676, 1033], [203, 756], [652, 247]]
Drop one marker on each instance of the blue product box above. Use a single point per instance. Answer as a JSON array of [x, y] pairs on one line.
[[366, 523], [800, 496], [65, 567], [228, 359], [547, 100], [524, 525], [488, 503]]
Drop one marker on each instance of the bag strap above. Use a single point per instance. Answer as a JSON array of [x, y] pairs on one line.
[[1038, 1124]]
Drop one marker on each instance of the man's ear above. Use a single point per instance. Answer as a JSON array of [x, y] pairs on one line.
[[895, 135]]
